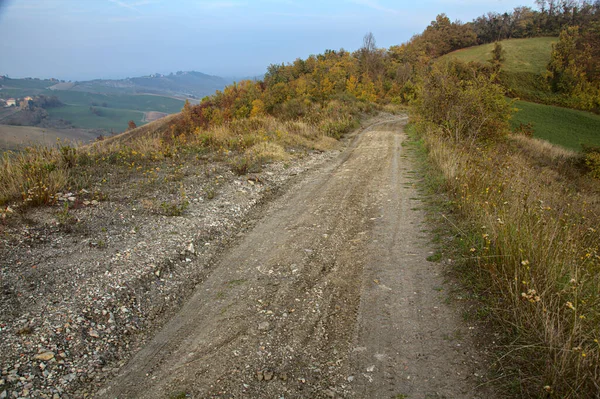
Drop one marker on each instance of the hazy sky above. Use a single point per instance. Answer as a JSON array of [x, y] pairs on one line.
[[86, 39]]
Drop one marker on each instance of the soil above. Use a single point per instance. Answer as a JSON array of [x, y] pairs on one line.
[[306, 280]]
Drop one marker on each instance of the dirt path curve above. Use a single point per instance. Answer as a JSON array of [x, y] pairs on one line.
[[329, 295]]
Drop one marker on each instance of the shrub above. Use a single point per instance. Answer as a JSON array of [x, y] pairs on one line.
[[592, 160], [464, 101]]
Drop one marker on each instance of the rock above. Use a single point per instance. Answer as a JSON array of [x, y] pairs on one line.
[[72, 199], [190, 248], [264, 326], [283, 377], [260, 376], [268, 375], [94, 334], [350, 378], [45, 356], [3, 395]]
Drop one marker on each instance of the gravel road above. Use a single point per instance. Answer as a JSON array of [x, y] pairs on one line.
[[328, 295]]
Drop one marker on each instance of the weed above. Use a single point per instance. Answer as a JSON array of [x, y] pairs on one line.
[[436, 257], [242, 165], [65, 219], [526, 222], [174, 208]]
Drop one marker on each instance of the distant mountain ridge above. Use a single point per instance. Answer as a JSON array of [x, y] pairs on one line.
[[183, 83]]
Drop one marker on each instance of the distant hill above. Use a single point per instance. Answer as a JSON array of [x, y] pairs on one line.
[[106, 104], [190, 84], [181, 84], [522, 55]]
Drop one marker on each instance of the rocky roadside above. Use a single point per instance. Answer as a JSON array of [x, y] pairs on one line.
[[83, 287]]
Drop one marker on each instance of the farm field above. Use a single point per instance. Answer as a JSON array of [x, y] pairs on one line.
[[121, 101], [563, 126], [109, 119]]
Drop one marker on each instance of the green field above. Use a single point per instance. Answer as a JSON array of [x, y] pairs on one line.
[[110, 118], [563, 126], [117, 112], [121, 101], [522, 55]]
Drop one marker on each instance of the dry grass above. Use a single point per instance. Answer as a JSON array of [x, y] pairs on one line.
[[34, 176], [533, 219]]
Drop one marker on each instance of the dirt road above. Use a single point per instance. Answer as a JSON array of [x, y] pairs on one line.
[[329, 295]]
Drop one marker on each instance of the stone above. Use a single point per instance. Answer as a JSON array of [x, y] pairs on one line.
[[264, 326], [268, 375], [190, 248], [45, 356]]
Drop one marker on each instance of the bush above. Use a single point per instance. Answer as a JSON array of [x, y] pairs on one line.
[[592, 160], [464, 101]]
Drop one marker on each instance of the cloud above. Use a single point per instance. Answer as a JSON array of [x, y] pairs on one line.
[[124, 5], [133, 6], [375, 5], [215, 5]]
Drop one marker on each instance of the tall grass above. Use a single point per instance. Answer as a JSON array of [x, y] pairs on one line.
[[533, 221], [32, 177]]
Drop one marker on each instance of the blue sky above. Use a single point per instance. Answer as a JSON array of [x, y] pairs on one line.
[[86, 39]]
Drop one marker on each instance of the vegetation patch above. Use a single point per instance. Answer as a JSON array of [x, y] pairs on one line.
[[528, 217], [566, 127], [529, 55]]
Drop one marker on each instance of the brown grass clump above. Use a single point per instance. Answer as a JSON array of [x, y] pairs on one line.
[[33, 175], [533, 217]]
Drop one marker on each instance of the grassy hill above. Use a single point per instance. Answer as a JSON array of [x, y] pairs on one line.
[[523, 68], [522, 55]]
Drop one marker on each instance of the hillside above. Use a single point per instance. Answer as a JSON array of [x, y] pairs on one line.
[[522, 55]]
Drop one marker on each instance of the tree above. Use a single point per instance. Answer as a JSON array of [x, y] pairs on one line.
[[497, 56], [367, 52], [131, 125]]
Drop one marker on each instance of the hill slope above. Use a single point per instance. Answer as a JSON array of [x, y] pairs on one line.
[[522, 55]]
